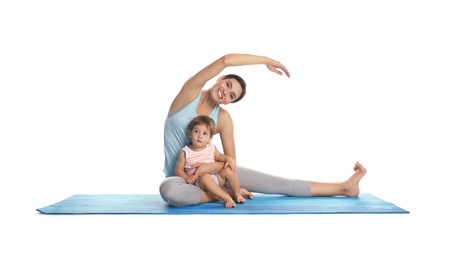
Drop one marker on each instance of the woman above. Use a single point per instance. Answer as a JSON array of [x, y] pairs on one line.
[[192, 101]]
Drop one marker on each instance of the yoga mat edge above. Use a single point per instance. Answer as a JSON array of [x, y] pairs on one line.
[[261, 204]]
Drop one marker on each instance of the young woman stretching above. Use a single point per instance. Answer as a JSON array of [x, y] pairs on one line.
[[192, 101]]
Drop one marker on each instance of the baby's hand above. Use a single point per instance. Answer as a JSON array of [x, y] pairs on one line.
[[230, 163], [190, 179]]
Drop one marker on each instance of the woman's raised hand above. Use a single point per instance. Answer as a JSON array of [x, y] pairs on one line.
[[273, 65]]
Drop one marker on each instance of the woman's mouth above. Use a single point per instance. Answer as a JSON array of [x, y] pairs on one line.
[[219, 94]]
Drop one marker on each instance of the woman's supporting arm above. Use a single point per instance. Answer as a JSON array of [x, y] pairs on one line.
[[208, 168], [225, 130], [229, 161]]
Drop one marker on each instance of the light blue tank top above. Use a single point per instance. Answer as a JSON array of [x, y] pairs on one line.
[[176, 133]]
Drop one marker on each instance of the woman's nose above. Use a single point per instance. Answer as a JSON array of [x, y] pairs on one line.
[[227, 93]]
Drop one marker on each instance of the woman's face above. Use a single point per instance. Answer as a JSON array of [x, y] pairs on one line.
[[226, 91]]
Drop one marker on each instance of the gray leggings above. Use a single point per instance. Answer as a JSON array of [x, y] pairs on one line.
[[177, 192]]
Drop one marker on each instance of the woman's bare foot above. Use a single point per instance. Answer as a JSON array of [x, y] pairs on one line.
[[229, 203], [352, 184], [246, 194]]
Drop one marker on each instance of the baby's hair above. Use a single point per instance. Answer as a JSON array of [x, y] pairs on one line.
[[203, 120]]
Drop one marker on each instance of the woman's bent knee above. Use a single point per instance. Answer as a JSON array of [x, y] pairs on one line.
[[176, 192]]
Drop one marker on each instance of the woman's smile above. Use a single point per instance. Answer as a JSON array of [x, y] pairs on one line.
[[220, 94]]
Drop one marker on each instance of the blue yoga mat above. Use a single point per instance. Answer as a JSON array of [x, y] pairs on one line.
[[261, 204]]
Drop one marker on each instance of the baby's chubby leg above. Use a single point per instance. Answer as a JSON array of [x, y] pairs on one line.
[[228, 175], [207, 183]]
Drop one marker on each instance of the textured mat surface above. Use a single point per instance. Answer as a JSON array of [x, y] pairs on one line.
[[261, 204]]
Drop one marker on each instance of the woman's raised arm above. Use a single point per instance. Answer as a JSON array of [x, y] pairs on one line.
[[194, 85], [198, 81], [247, 59]]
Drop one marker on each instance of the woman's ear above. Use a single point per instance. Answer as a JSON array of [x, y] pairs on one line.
[[220, 78]]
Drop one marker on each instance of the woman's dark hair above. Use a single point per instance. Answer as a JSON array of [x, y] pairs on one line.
[[242, 83]]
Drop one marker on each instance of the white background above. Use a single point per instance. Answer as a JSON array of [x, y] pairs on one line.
[[86, 85]]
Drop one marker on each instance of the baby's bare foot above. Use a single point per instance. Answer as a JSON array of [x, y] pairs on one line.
[[240, 199], [246, 194], [229, 203], [352, 184]]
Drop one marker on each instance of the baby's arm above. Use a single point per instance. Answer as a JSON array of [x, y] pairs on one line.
[[229, 162], [180, 169]]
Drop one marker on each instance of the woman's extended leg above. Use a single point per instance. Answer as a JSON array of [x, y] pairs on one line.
[[177, 192], [348, 188], [256, 181]]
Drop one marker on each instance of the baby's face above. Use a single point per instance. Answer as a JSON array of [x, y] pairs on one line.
[[200, 136]]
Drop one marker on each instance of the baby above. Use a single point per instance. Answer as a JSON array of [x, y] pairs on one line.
[[201, 130]]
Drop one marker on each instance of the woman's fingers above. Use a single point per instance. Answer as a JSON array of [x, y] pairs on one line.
[[286, 71], [274, 65], [273, 69]]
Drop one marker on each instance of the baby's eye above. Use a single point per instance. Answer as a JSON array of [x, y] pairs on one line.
[[196, 131], [205, 133]]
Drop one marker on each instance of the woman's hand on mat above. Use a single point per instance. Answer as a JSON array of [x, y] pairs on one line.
[[273, 65], [230, 163]]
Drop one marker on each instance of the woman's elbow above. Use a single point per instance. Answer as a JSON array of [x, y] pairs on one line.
[[226, 59]]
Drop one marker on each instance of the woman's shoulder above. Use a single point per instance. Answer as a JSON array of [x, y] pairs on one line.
[[224, 120], [224, 113]]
